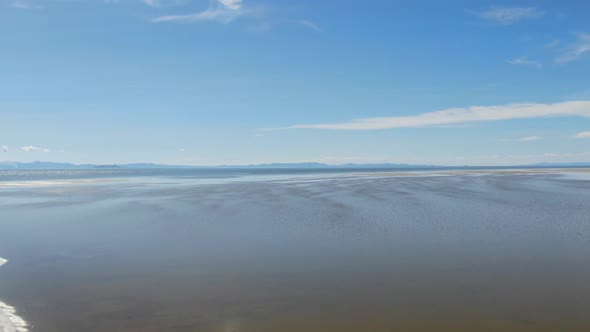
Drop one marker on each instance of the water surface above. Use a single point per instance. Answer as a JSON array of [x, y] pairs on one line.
[[299, 252]]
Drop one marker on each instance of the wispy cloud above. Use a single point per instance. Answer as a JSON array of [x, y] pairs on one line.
[[308, 24], [576, 50], [152, 3], [524, 61], [584, 134], [530, 139], [522, 139], [4, 148], [232, 4], [222, 11], [32, 148], [461, 115], [22, 4], [510, 15]]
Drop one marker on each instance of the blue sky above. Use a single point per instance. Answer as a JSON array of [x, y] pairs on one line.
[[255, 81]]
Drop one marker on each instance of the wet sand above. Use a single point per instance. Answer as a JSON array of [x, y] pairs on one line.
[[502, 251]]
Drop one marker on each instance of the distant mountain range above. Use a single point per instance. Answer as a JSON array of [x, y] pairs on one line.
[[54, 166], [51, 165]]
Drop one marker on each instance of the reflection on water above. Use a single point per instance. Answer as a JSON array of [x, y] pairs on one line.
[[327, 253]]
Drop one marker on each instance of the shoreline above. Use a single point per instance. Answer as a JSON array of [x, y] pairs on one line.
[[515, 171], [46, 183], [361, 173], [9, 319]]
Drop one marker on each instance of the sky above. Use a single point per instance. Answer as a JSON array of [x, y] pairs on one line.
[[218, 82]]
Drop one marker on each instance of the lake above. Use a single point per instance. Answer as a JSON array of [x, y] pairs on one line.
[[407, 250]]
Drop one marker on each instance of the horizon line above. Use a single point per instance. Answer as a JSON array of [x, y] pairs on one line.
[[295, 164]]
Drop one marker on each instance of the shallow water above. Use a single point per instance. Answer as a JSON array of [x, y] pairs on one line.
[[460, 252]]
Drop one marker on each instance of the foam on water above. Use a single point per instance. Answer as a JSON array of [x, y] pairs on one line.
[[9, 320]]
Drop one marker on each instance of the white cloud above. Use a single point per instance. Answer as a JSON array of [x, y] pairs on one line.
[[32, 148], [510, 15], [231, 4], [308, 24], [222, 11], [524, 61], [576, 50], [584, 134], [462, 115], [530, 139], [4, 148]]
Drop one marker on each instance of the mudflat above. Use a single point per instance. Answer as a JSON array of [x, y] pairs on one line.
[[483, 251]]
